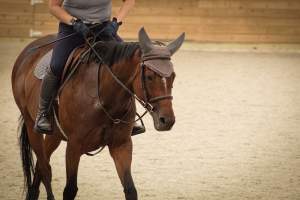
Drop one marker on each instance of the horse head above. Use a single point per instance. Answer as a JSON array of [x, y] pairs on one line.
[[157, 77]]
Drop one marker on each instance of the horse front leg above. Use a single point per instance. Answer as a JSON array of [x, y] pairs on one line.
[[122, 156], [72, 161]]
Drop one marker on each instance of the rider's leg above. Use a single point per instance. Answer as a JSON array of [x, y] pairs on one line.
[[51, 80], [138, 129], [48, 88]]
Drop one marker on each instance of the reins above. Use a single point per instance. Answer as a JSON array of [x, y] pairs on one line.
[[114, 120], [148, 107], [145, 104]]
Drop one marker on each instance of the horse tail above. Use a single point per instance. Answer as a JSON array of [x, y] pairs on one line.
[[26, 156]]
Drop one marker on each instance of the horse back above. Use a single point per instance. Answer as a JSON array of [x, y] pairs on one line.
[[24, 64], [29, 53]]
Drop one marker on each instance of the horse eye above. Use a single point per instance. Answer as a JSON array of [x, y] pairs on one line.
[[149, 78]]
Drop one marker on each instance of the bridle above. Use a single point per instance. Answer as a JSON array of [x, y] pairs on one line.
[[146, 104], [145, 91]]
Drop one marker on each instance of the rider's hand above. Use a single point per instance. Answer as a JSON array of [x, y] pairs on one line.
[[80, 27], [111, 27]]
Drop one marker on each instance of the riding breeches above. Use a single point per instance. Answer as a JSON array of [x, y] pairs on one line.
[[63, 48]]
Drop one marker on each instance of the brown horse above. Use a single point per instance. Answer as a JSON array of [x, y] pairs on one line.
[[96, 107]]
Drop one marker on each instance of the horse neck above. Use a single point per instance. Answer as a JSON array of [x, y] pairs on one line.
[[125, 71]]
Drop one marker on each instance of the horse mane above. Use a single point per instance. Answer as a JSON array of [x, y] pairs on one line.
[[113, 52]]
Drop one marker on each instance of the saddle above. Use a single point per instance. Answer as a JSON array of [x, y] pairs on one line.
[[76, 56], [44, 63]]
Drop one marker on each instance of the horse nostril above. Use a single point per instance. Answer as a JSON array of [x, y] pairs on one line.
[[162, 120]]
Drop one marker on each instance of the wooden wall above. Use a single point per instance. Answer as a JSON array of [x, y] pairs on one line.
[[15, 18], [259, 21]]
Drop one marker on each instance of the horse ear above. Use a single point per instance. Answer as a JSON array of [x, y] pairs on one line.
[[145, 42], [176, 44]]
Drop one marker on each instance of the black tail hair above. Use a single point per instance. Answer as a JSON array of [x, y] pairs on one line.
[[26, 156]]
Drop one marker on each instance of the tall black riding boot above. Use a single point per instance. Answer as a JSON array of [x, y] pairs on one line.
[[138, 129], [48, 92]]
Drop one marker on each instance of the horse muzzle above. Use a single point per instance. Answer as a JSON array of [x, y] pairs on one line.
[[163, 122]]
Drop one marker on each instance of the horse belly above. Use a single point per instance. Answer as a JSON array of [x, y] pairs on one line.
[[94, 140]]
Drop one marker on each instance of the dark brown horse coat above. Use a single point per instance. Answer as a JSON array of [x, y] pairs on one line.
[[82, 117]]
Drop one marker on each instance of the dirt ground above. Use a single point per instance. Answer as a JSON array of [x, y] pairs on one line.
[[236, 134]]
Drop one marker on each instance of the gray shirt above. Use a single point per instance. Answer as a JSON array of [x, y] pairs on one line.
[[93, 11]]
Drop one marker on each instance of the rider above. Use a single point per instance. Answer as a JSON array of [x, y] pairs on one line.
[[76, 16]]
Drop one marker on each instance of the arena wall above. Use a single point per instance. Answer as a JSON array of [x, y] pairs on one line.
[[258, 21]]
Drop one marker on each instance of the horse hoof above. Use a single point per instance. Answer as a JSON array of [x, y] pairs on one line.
[[50, 198]]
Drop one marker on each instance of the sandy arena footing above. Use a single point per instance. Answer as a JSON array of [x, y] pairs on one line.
[[236, 134]]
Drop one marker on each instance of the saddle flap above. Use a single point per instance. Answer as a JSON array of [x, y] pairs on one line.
[[44, 62]]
